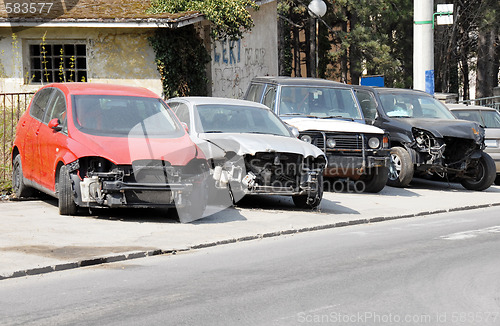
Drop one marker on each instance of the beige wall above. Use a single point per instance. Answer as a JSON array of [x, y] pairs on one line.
[[235, 63], [120, 56]]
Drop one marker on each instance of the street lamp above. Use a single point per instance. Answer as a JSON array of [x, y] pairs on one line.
[[316, 8]]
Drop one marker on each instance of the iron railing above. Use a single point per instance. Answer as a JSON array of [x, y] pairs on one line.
[[12, 105], [492, 101]]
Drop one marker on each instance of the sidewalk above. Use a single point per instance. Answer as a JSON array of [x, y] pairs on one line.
[[36, 239]]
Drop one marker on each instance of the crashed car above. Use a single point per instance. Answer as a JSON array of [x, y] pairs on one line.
[[251, 151], [100, 145], [489, 118], [327, 115], [426, 139]]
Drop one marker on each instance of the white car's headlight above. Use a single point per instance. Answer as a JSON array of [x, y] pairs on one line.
[[374, 142]]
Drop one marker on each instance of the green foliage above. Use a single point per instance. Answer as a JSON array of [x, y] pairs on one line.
[[230, 18], [358, 35], [181, 59]]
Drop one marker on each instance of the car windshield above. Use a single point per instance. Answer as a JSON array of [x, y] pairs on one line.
[[124, 116], [215, 118], [414, 106], [489, 119], [320, 102]]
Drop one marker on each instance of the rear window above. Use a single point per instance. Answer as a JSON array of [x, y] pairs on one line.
[[124, 116]]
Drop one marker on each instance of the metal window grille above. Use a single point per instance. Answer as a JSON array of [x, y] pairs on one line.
[[56, 62]]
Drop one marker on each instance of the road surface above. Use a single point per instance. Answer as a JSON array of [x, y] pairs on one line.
[[432, 270]]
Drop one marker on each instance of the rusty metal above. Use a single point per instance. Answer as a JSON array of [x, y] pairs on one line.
[[12, 105]]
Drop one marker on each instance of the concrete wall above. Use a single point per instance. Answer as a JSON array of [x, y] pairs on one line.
[[120, 56], [235, 63], [123, 55]]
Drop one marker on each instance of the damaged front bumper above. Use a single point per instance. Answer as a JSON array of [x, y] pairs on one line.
[[268, 173], [124, 186], [448, 155]]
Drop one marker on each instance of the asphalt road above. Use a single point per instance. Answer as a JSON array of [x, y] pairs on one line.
[[432, 270]]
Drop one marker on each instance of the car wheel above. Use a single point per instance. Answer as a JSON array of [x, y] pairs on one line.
[[311, 200], [65, 195], [485, 174], [18, 185], [497, 180], [375, 180], [401, 168]]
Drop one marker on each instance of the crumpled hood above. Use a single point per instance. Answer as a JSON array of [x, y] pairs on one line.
[[445, 128], [333, 125], [123, 150], [243, 144]]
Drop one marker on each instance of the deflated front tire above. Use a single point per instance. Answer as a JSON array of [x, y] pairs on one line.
[[485, 174]]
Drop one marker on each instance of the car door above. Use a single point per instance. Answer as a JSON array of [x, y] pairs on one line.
[[52, 142], [31, 164]]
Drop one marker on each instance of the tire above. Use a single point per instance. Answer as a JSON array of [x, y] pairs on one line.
[[497, 180], [485, 174], [65, 194], [376, 179], [301, 201], [20, 189], [401, 168]]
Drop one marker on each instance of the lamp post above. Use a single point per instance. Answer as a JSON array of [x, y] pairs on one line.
[[316, 8]]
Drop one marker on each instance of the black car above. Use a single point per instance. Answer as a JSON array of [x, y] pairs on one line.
[[426, 139], [327, 115]]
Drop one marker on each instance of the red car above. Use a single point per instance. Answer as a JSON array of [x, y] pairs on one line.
[[101, 145]]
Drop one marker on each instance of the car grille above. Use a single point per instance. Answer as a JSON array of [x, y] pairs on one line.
[[342, 141]]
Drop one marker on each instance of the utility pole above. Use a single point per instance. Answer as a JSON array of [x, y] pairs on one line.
[[423, 45]]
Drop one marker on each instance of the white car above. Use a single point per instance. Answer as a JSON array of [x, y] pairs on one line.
[[489, 118], [251, 151]]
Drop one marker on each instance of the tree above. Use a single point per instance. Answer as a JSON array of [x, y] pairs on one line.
[[473, 35], [354, 36]]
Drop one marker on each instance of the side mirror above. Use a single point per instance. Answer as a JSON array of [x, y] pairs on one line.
[[185, 126], [295, 131], [55, 124]]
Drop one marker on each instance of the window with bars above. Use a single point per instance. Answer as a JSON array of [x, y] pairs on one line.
[[57, 62]]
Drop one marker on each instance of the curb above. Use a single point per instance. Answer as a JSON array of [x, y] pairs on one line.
[[157, 252]]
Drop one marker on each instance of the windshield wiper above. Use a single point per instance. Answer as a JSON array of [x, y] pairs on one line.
[[214, 132], [336, 117], [294, 113]]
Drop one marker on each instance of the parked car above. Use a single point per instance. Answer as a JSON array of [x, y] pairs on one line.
[[327, 114], [489, 118], [426, 138], [99, 145], [251, 151]]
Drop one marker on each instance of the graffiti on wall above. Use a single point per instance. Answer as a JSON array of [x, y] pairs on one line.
[[234, 66]]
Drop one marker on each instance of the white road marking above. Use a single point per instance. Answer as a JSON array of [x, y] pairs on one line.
[[471, 234]]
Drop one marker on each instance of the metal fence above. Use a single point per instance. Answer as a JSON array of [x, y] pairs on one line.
[[493, 102], [12, 105]]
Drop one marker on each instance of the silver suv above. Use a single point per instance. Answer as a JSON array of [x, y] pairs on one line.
[[327, 114]]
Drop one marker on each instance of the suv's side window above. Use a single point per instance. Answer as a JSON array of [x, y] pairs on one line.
[[255, 92], [270, 97], [368, 104], [40, 102]]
